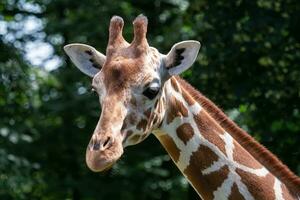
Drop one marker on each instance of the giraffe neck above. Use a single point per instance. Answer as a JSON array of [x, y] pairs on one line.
[[215, 164]]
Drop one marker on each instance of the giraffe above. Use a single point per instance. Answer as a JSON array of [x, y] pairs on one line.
[[141, 93]]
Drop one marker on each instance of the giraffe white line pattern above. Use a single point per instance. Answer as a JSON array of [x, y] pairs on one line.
[[278, 190], [186, 151]]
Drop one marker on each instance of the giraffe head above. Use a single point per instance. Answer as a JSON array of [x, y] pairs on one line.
[[129, 80]]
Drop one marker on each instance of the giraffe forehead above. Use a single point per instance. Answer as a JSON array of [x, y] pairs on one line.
[[123, 69]]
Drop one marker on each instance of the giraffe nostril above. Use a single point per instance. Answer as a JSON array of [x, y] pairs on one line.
[[96, 145], [106, 143]]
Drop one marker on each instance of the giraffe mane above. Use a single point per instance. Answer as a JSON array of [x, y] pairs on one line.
[[257, 150]]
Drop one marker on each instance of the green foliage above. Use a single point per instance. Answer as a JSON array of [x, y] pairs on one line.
[[248, 64]]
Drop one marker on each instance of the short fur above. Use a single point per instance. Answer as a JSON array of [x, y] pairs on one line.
[[258, 151]]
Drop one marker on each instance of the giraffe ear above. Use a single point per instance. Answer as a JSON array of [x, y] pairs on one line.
[[182, 56], [86, 58]]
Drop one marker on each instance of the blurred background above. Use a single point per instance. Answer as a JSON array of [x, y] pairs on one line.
[[249, 65]]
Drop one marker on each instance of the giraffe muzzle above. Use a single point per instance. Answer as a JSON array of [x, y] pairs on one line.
[[103, 152]]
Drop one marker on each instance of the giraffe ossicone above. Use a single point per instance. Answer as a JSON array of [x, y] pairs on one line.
[[140, 93]]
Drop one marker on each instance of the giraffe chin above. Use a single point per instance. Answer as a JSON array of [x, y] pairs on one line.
[[99, 161]]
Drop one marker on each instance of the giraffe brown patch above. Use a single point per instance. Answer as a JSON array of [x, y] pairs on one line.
[[175, 84], [131, 119], [203, 158], [147, 113], [170, 146], [235, 193], [259, 187], [240, 155], [287, 195], [210, 130], [116, 72], [133, 102], [185, 132], [142, 125], [176, 109]]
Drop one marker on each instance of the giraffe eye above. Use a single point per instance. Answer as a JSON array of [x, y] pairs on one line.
[[151, 91]]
